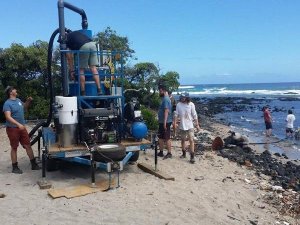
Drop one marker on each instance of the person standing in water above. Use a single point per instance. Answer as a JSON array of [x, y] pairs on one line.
[[268, 121], [290, 118]]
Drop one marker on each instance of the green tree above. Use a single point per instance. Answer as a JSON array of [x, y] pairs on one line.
[[109, 40], [143, 77], [25, 68], [170, 79]]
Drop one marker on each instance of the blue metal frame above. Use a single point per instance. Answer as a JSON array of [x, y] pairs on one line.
[[77, 154], [99, 165]]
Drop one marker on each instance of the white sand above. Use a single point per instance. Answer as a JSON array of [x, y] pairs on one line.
[[223, 193]]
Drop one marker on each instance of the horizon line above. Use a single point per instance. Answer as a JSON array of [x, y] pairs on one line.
[[242, 83]]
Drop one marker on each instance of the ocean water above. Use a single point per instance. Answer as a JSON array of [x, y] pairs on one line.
[[244, 90], [280, 97]]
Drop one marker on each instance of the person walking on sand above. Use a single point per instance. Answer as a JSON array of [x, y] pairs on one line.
[[290, 118], [13, 109], [186, 113], [268, 121], [165, 120]]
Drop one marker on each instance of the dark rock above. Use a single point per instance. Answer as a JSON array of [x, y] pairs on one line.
[[277, 154]]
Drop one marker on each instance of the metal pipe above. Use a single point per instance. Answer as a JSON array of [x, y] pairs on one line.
[[155, 152], [84, 22], [62, 30], [63, 46]]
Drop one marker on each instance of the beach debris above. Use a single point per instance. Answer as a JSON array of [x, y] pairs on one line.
[[217, 144], [287, 202], [148, 169], [199, 178], [236, 139], [228, 178], [265, 186], [247, 181], [2, 195], [248, 163], [277, 188], [233, 218], [253, 222]]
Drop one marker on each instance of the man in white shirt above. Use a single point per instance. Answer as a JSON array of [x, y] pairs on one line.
[[186, 113], [290, 123]]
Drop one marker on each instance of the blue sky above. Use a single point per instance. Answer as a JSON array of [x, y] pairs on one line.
[[213, 41]]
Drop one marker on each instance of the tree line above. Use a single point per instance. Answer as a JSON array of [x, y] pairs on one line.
[[26, 69]]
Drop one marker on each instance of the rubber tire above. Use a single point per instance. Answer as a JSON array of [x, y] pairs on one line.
[[115, 153], [135, 156]]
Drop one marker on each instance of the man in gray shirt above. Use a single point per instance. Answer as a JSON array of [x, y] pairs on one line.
[[13, 109]]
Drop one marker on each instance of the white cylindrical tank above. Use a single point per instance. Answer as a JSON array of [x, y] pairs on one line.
[[67, 110]]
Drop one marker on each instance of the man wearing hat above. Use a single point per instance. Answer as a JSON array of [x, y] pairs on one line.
[[13, 109], [186, 113]]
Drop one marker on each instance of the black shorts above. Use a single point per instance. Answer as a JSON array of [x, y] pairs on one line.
[[268, 125], [164, 134], [289, 130]]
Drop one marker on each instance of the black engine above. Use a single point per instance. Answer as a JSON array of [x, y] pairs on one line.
[[99, 125]]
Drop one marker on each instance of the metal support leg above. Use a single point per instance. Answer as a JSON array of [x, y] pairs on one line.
[[118, 179], [39, 149], [43, 183], [155, 152], [109, 180], [93, 169], [44, 157]]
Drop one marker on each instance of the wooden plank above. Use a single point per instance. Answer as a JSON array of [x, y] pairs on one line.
[[54, 148], [80, 190], [131, 141], [159, 174]]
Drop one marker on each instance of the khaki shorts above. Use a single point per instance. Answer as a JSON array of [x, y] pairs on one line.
[[190, 134], [89, 57]]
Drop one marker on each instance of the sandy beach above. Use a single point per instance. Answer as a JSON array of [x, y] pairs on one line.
[[212, 191]]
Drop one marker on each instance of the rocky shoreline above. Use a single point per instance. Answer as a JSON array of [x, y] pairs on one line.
[[277, 175]]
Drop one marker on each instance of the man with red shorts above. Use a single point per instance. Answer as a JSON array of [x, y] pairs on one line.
[[13, 109], [268, 121]]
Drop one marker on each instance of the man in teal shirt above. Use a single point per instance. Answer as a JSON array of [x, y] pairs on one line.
[[165, 120]]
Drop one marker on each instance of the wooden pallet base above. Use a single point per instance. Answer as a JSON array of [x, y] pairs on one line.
[[80, 190]]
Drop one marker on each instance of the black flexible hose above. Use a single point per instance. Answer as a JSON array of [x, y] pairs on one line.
[[49, 75], [262, 143]]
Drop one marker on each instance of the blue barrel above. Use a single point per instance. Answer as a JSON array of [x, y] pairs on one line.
[[90, 88], [87, 33], [139, 130]]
